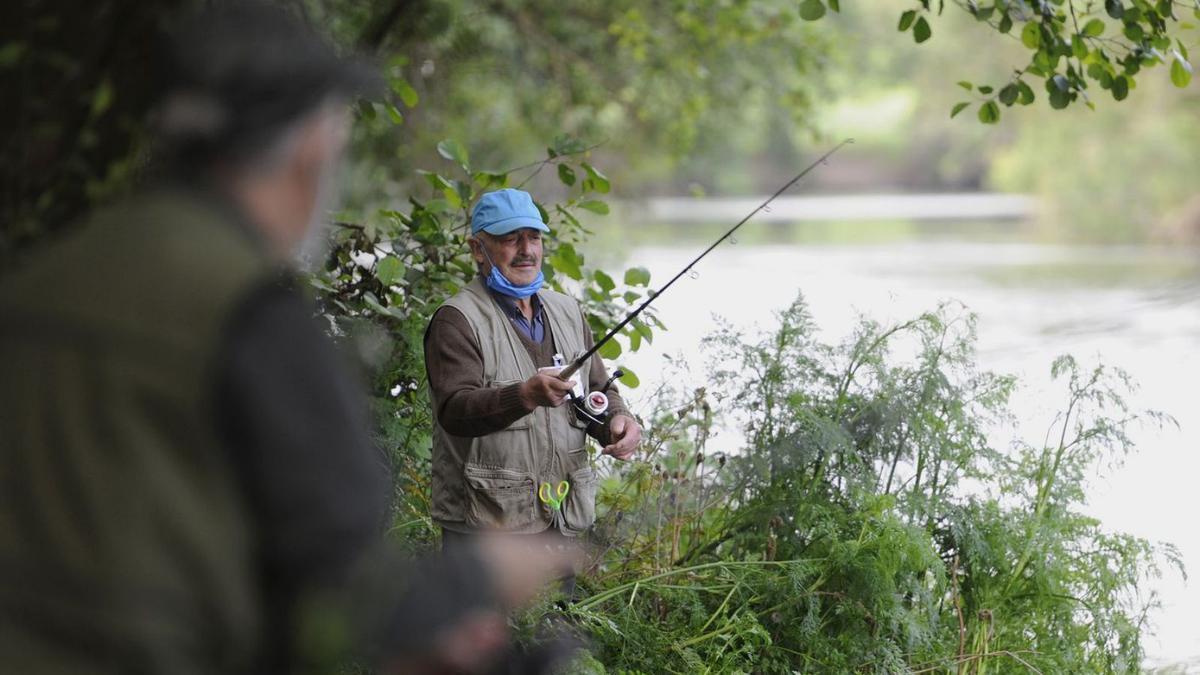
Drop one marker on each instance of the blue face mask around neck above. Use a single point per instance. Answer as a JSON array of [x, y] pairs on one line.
[[499, 283]]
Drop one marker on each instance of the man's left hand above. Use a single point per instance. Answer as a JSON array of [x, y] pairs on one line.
[[625, 435]]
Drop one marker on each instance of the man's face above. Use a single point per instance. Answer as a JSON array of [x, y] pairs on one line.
[[518, 254]]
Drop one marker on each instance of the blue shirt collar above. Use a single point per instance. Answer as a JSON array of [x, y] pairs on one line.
[[534, 330]]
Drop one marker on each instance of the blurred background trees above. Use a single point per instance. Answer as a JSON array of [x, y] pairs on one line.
[[703, 96]]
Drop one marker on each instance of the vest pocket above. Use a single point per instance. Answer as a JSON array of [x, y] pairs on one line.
[[579, 511], [499, 499]]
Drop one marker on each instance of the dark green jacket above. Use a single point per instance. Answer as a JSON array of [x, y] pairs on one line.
[[123, 536]]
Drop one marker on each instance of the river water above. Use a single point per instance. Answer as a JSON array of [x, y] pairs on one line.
[[1133, 307]]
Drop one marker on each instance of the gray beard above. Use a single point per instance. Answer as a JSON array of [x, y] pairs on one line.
[[314, 248]]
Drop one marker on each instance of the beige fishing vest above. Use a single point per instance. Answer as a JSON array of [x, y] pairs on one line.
[[491, 482]]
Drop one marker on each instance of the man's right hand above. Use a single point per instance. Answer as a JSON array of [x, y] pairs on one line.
[[545, 389]]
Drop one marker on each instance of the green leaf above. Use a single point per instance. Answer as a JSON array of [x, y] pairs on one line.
[[1114, 8], [406, 93], [1120, 87], [595, 206], [567, 250], [610, 350], [906, 20], [566, 144], [984, 89], [921, 30], [373, 303], [434, 178], [11, 53], [811, 10], [643, 330], [1131, 64], [599, 182], [835, 5], [389, 270], [566, 174], [958, 107], [103, 98], [439, 206], [1031, 35], [566, 263], [1181, 72], [395, 114], [629, 379], [604, 281], [366, 110], [568, 216], [1079, 48], [966, 85], [1134, 32], [490, 180], [1009, 93], [1027, 96], [637, 276], [635, 339], [989, 113], [1093, 28], [1006, 24], [1060, 91], [453, 151]]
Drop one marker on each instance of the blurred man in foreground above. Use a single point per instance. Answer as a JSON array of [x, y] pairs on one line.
[[186, 480]]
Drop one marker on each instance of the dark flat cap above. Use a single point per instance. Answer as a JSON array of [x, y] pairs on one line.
[[242, 71]]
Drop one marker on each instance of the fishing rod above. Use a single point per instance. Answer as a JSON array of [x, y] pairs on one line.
[[575, 365]]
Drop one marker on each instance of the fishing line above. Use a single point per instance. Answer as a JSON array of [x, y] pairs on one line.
[[652, 295]]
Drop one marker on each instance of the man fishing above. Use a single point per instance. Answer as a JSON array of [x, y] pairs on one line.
[[508, 455]]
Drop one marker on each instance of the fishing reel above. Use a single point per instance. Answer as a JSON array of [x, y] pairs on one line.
[[594, 406]]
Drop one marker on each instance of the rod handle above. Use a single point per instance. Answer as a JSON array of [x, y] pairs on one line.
[[566, 373]]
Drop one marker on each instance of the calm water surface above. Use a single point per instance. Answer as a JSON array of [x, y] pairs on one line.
[[1133, 307]]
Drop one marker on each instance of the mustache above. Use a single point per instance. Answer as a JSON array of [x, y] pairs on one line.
[[521, 260]]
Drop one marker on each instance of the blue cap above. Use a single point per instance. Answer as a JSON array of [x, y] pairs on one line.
[[503, 211]]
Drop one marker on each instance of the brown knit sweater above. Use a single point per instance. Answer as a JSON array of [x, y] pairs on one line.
[[465, 407]]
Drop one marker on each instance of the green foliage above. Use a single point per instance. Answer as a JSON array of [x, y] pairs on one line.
[[866, 525], [78, 81], [811, 10], [1127, 180], [706, 81], [1069, 49], [660, 82]]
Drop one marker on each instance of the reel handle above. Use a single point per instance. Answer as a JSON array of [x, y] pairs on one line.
[[618, 373]]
